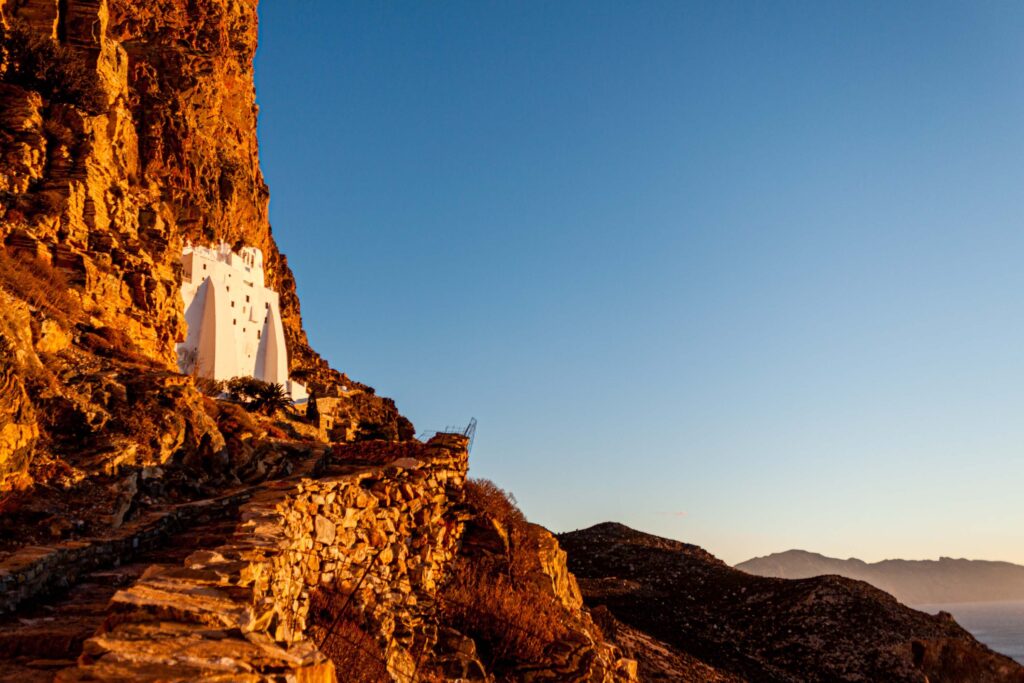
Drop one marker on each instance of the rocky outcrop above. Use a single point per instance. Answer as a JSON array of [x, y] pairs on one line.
[[765, 629], [19, 429], [138, 136]]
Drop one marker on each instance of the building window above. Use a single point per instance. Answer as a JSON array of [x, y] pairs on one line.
[[246, 298], [204, 266], [259, 334], [232, 304], [234, 321]]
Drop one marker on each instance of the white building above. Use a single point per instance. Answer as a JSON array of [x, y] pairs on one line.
[[234, 321]]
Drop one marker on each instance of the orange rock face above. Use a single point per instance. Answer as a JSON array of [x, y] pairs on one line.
[[128, 128], [172, 156]]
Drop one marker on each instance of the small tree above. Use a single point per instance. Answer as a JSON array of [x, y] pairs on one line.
[[256, 395], [312, 410]]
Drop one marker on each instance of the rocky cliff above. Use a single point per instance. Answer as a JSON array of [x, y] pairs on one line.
[[126, 130], [151, 531]]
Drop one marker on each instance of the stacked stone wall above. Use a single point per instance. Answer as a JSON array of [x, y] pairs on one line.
[[382, 535], [35, 570]]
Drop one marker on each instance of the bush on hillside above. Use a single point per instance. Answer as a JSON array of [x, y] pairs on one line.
[[502, 606], [256, 395], [511, 622], [59, 73], [487, 498], [339, 636]]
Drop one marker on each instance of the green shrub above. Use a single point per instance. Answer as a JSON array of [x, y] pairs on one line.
[[58, 73], [256, 395]]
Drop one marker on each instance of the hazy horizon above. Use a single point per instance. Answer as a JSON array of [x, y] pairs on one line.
[[884, 559], [743, 275]]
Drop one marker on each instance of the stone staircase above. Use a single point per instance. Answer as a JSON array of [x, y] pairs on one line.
[[53, 598], [46, 635]]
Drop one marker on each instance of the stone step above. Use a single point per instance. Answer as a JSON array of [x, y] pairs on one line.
[[34, 671], [46, 638], [47, 635]]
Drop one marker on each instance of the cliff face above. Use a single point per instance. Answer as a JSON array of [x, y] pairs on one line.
[[127, 129], [164, 150], [139, 515]]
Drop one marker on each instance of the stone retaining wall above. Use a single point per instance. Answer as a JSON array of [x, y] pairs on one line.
[[382, 534], [34, 570]]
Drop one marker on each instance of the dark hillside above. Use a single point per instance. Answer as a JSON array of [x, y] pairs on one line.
[[827, 628]]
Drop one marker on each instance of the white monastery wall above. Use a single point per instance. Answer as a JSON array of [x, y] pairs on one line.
[[234, 320]]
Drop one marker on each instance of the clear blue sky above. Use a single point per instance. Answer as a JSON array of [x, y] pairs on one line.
[[744, 274]]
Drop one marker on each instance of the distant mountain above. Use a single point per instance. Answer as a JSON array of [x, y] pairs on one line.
[[914, 582], [687, 617]]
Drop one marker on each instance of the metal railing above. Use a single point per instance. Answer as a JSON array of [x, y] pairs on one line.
[[469, 431]]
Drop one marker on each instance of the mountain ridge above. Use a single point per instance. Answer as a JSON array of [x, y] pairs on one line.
[[746, 627], [946, 579]]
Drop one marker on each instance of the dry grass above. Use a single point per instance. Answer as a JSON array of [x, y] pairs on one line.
[[113, 342], [41, 285], [509, 616], [376, 452], [511, 622], [488, 499], [232, 420], [356, 655]]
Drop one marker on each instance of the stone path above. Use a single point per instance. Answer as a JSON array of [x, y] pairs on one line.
[[45, 627], [47, 634]]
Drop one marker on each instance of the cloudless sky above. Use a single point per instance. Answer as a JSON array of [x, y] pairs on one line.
[[748, 275]]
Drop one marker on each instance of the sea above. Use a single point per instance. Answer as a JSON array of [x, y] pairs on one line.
[[1000, 625]]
